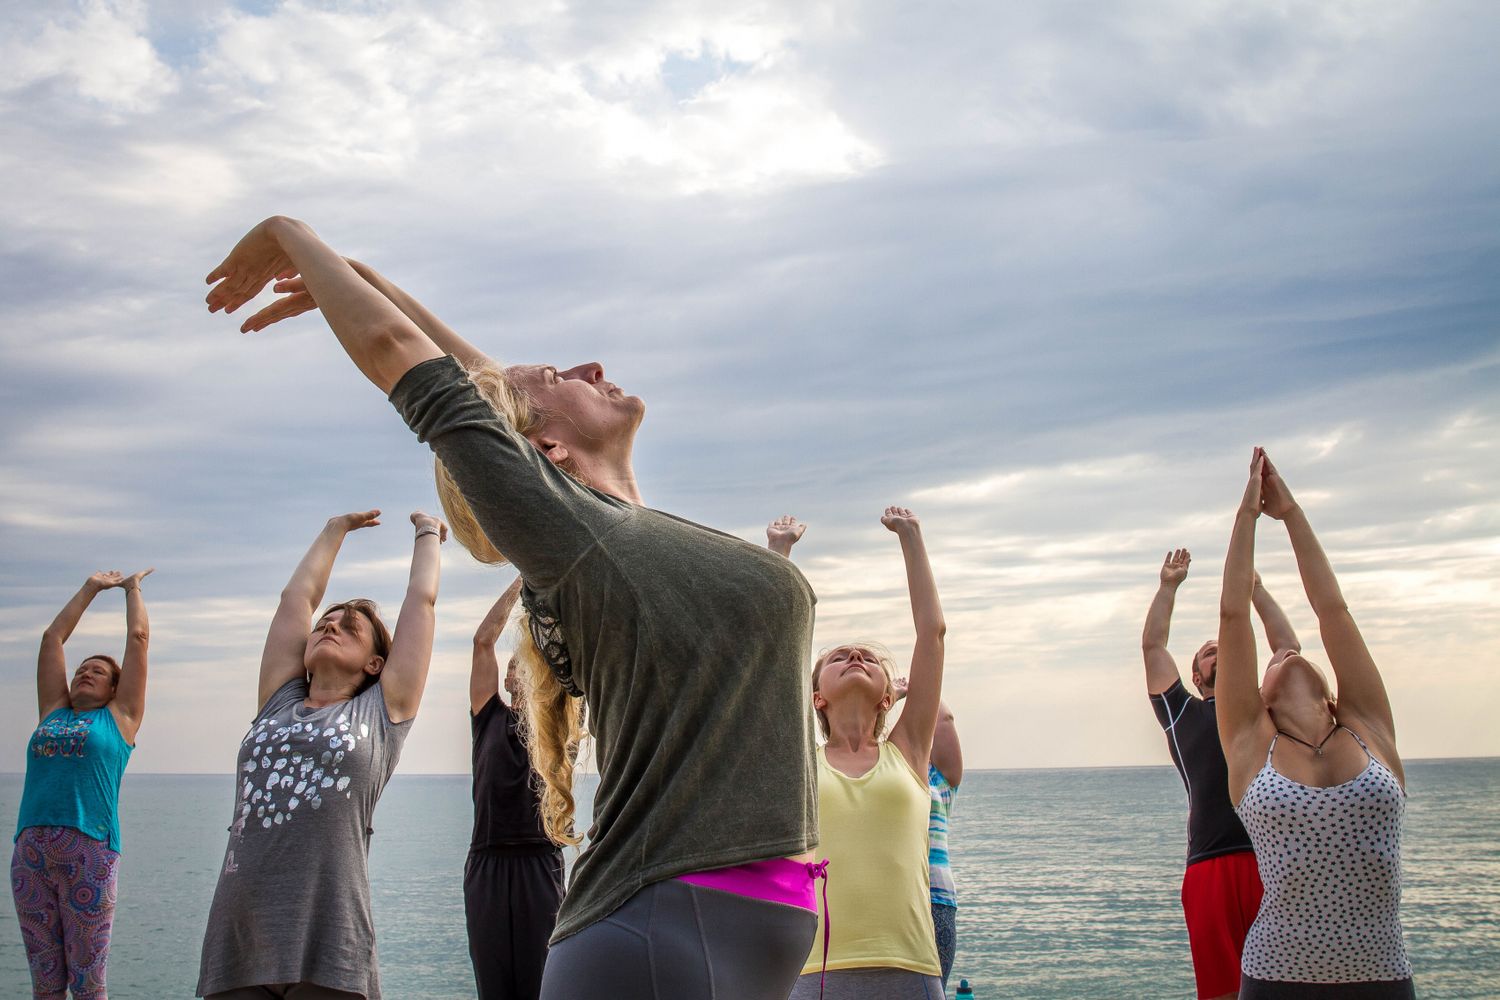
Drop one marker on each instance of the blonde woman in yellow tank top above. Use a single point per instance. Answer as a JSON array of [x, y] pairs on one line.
[[873, 801]]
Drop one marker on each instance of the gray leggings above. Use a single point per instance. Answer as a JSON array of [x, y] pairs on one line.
[[869, 984], [673, 940]]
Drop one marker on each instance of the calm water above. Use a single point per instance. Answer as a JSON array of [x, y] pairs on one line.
[[1068, 882]]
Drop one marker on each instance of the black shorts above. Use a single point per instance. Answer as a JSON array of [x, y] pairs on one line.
[[1389, 989]]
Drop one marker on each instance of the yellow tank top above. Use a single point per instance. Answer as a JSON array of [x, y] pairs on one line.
[[873, 831]]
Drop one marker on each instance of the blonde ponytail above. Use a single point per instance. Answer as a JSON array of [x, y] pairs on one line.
[[553, 721], [554, 731]]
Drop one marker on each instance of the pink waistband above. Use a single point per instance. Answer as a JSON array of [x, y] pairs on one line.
[[778, 880]]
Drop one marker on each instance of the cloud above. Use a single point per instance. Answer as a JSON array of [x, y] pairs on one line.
[[1047, 271], [97, 52]]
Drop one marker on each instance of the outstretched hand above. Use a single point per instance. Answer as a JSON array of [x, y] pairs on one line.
[[105, 579], [420, 520], [295, 300], [133, 581], [1276, 499], [1174, 569], [783, 533], [255, 260], [899, 519], [356, 520]]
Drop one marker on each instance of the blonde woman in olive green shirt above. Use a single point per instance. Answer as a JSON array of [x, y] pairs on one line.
[[689, 646]]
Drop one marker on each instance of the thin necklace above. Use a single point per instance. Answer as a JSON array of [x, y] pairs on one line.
[[1319, 747]]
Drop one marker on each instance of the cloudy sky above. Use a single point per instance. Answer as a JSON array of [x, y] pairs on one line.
[[1044, 271]]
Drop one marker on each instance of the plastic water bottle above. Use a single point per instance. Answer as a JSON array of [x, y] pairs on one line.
[[964, 993]]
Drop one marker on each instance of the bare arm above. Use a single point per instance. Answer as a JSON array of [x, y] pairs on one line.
[[1279, 632], [405, 673], [1361, 692], [296, 300], [947, 752], [440, 333], [484, 674], [783, 533], [51, 662], [1161, 669], [913, 732], [1241, 715], [281, 660], [376, 335], [130, 694]]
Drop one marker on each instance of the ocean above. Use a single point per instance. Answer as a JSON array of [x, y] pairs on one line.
[[1068, 883]]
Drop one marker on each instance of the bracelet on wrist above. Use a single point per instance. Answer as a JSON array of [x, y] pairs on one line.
[[428, 529]]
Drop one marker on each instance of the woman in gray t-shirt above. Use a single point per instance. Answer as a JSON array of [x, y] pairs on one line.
[[293, 902]]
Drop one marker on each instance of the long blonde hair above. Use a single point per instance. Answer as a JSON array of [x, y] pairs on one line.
[[887, 666], [553, 721]]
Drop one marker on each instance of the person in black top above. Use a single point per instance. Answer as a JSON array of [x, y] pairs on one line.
[[1221, 887], [513, 879]]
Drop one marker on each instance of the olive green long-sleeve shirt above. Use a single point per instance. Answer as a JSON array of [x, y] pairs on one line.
[[690, 645]]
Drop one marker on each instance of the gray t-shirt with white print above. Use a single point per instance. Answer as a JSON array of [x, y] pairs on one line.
[[293, 900]]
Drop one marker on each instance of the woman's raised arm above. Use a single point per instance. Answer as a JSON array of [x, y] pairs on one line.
[[535, 514], [404, 675], [484, 669], [1361, 692], [130, 694], [281, 660], [296, 300], [1241, 715], [377, 336], [913, 732], [51, 661]]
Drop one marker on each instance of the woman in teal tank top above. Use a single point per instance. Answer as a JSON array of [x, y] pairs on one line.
[[873, 801], [64, 867]]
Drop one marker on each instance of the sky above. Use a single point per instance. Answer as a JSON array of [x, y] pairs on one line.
[[1045, 272]]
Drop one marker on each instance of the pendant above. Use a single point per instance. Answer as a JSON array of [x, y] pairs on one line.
[[1320, 751]]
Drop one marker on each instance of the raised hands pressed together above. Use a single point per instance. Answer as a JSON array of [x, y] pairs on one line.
[[98, 680]]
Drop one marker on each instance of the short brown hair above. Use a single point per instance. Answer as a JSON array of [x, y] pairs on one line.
[[371, 612]]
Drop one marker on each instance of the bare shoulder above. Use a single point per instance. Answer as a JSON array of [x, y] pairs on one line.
[[1378, 739]]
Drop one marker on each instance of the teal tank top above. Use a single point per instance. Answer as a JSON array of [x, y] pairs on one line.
[[73, 768]]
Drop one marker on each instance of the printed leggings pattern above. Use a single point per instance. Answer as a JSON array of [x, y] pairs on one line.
[[64, 887], [945, 924]]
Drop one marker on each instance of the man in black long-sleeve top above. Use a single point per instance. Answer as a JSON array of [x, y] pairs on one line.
[[1221, 886]]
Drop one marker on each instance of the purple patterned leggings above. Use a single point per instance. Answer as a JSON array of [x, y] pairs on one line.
[[64, 885]]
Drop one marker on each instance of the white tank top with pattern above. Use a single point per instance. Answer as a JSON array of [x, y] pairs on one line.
[[1330, 861]]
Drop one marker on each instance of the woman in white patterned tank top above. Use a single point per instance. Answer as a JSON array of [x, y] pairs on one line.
[[1316, 781]]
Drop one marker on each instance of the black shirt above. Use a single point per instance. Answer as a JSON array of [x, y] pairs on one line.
[[1192, 730], [506, 810]]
